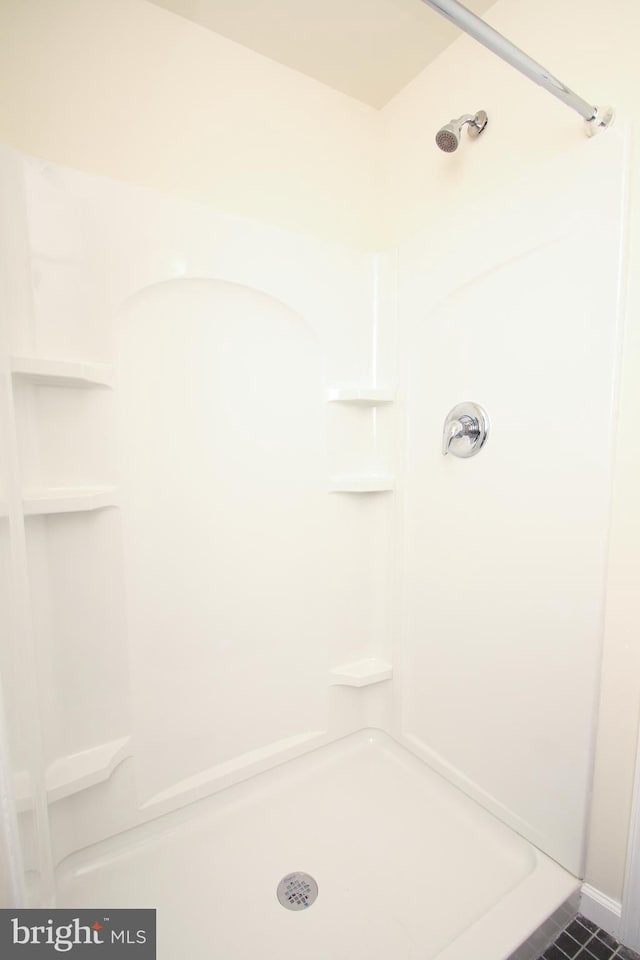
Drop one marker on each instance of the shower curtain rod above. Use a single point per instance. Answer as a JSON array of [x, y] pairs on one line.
[[597, 118]]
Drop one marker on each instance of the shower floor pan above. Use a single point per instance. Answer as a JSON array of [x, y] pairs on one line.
[[407, 868]]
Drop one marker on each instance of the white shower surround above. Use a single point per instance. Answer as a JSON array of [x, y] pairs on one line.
[[396, 583]]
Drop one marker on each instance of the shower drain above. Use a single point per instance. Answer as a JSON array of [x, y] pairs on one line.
[[297, 891]]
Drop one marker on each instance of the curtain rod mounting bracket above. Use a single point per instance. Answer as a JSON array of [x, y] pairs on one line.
[[597, 118], [602, 118]]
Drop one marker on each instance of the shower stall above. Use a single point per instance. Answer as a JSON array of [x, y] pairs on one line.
[[275, 666]]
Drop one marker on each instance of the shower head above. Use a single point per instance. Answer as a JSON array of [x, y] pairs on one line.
[[448, 137]]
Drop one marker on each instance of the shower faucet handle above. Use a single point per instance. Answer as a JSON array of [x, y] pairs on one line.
[[454, 430], [466, 428]]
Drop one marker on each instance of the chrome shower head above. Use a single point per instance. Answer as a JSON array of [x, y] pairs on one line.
[[448, 137]]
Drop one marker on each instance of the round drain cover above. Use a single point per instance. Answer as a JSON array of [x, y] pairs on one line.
[[297, 891]]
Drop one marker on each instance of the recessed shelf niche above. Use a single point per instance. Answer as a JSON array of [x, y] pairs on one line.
[[79, 625], [353, 446], [63, 411]]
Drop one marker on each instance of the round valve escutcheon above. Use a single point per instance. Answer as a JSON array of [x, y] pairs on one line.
[[466, 429]]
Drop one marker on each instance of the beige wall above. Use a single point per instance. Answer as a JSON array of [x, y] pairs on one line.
[[124, 88], [593, 47]]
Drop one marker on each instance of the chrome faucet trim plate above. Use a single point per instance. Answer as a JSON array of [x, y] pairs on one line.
[[465, 430]]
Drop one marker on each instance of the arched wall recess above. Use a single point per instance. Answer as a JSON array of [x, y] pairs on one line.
[[226, 525]]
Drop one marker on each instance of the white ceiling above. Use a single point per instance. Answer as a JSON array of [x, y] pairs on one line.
[[369, 49]]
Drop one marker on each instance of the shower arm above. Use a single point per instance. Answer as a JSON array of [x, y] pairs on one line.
[[597, 118]]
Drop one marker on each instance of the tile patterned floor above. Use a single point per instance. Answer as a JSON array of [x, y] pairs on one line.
[[582, 940]]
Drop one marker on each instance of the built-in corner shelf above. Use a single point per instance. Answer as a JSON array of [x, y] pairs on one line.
[[78, 771], [68, 500], [62, 373], [371, 481], [361, 396], [361, 673], [361, 483], [75, 772]]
